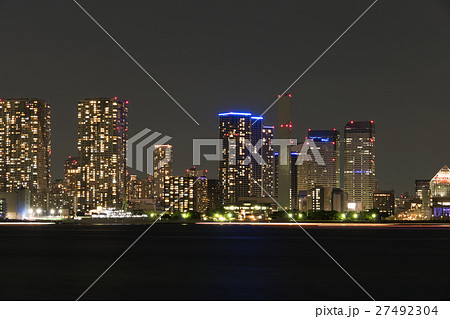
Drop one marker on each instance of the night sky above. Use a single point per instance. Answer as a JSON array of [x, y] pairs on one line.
[[213, 56]]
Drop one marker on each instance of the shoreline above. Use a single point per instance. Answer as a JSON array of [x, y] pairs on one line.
[[304, 223]]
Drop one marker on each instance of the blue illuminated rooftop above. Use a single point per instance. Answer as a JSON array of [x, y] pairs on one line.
[[235, 114]]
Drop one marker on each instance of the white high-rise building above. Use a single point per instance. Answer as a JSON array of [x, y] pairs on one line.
[[359, 162]]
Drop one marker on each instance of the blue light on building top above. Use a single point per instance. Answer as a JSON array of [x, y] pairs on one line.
[[235, 113], [320, 139]]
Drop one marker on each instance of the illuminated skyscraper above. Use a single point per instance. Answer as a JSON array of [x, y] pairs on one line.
[[311, 174], [268, 177], [102, 137], [72, 180], [359, 162], [162, 170], [257, 168], [284, 130], [234, 175], [24, 144]]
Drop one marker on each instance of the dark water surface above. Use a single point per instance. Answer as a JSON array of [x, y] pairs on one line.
[[229, 262]]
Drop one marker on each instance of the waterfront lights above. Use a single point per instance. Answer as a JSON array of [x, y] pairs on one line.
[[343, 216], [374, 215], [355, 216]]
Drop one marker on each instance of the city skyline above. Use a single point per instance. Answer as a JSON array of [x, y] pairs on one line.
[[99, 177], [252, 129], [234, 150], [373, 74]]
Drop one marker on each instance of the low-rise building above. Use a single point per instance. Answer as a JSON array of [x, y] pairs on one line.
[[384, 201], [440, 193], [15, 205]]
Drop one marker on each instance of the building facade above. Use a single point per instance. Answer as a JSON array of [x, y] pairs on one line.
[[320, 199], [214, 194], [195, 172], [102, 137], [384, 202], [16, 204], [359, 162], [284, 132], [139, 188], [440, 193], [186, 194], [72, 180], [326, 199], [312, 173], [58, 197], [257, 144], [235, 174], [25, 145], [293, 191], [162, 170], [268, 175]]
